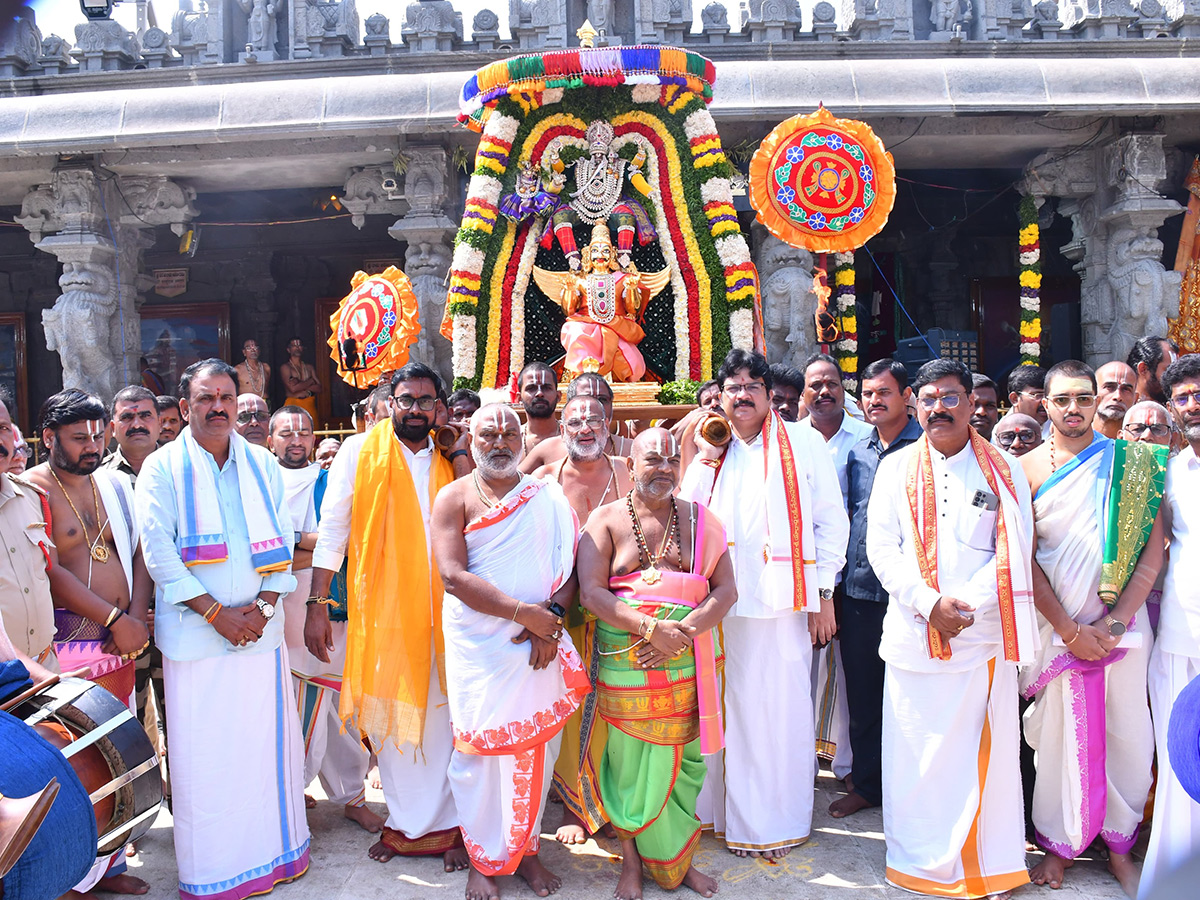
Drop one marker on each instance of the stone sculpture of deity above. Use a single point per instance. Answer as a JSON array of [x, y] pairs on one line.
[[80, 325]]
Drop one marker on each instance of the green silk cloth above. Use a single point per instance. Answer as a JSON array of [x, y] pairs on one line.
[[650, 793], [1135, 494]]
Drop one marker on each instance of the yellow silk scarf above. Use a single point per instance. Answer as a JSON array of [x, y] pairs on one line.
[[395, 596]]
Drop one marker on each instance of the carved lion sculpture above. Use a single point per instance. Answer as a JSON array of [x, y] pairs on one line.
[[79, 326]]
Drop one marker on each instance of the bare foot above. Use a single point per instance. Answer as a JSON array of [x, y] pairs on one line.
[[122, 884], [700, 883], [131, 849], [1050, 870], [571, 831], [629, 885], [381, 852], [607, 831], [541, 880], [480, 887], [456, 860], [1125, 871], [849, 782], [310, 802], [849, 805], [778, 853], [373, 778], [368, 820]]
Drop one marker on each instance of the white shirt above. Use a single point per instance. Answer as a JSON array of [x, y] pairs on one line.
[[966, 558], [334, 533], [1179, 619], [740, 502], [299, 490], [849, 433]]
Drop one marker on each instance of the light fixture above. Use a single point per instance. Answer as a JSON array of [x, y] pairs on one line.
[[96, 9]]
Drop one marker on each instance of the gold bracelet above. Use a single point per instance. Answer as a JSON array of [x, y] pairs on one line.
[[650, 628], [516, 610], [1078, 630], [113, 616], [324, 601]]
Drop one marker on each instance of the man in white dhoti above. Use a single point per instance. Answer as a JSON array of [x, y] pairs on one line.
[[825, 399], [1175, 832], [505, 546], [217, 538], [375, 514], [776, 490], [949, 533], [1090, 718], [333, 754]]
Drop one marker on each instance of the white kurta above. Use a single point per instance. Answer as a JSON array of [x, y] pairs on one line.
[[952, 810], [1175, 832], [760, 791], [332, 753], [415, 785]]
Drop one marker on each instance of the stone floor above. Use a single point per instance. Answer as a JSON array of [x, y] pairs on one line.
[[843, 859]]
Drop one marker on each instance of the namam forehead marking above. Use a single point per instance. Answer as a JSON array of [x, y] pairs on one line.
[[541, 378], [95, 429], [495, 416]]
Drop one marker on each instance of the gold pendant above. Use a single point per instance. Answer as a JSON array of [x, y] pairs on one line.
[[100, 553], [651, 576]]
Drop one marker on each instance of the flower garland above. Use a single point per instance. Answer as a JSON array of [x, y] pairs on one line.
[[1031, 282], [516, 353], [845, 350]]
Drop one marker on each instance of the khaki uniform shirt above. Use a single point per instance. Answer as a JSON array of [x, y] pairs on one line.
[[25, 603]]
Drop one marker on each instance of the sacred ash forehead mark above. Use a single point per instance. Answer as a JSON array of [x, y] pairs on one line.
[[494, 416], [541, 378], [293, 422], [664, 444], [95, 429], [1071, 385]]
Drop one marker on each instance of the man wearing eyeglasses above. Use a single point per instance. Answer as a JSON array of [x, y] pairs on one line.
[[949, 533], [252, 418], [376, 512], [1148, 422], [1099, 543], [1175, 662], [1026, 389], [552, 450], [1017, 434], [775, 486], [589, 478]]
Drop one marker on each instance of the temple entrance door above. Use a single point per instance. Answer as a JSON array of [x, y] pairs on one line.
[[996, 308]]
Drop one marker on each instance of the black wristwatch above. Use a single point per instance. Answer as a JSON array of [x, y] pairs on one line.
[[457, 453], [557, 609]]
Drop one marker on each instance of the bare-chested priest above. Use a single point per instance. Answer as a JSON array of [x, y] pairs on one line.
[[100, 586], [657, 648], [554, 449], [253, 375], [590, 478], [539, 397]]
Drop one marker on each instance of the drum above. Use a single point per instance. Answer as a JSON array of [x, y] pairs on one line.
[[108, 750]]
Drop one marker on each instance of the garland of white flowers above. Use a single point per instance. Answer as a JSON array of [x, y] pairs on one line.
[[845, 349], [1030, 248], [516, 353]]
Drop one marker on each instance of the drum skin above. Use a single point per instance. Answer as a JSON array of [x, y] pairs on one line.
[[64, 848]]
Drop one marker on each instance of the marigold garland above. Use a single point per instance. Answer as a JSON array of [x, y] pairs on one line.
[[845, 349], [1029, 239], [691, 204]]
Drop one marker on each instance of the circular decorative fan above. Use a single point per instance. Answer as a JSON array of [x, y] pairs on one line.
[[374, 326], [822, 183]]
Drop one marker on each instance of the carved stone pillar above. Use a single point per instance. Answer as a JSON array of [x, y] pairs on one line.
[[1115, 216], [429, 234], [373, 190], [789, 304], [98, 234]]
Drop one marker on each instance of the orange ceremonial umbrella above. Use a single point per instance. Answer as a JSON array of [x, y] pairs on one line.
[[374, 326]]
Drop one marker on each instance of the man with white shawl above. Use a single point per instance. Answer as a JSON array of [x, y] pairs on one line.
[[505, 548], [775, 488], [1095, 504], [217, 538], [100, 587], [334, 754], [949, 533]]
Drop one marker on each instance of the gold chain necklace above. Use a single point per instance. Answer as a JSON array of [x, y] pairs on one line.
[[97, 549], [261, 378]]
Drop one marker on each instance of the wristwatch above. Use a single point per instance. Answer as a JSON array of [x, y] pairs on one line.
[[1115, 627], [826, 594], [265, 608]]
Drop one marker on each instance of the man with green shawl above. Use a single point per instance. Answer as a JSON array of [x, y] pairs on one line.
[[1099, 548], [656, 572]]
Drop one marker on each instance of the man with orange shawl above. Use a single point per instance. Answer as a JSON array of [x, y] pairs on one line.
[[505, 545], [950, 534], [376, 512], [658, 650]]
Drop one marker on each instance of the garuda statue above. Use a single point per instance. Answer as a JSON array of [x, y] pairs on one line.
[[604, 308]]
